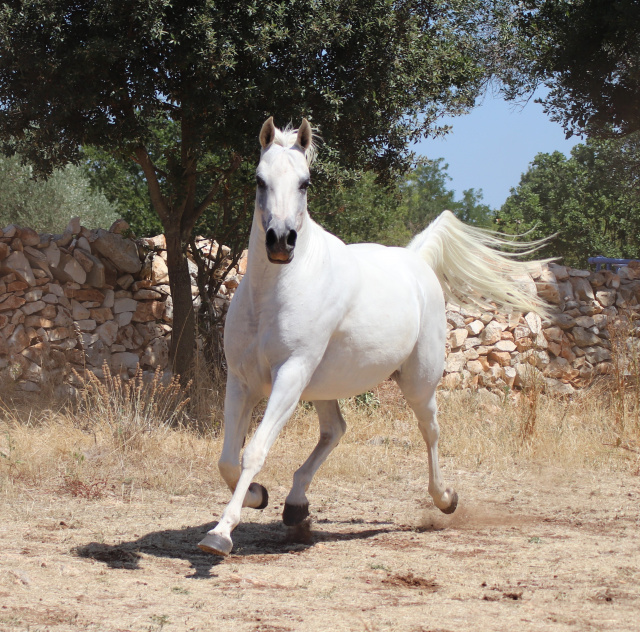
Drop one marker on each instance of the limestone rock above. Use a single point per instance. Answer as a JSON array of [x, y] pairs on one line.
[[120, 226], [156, 354], [17, 263], [159, 271], [584, 338], [125, 281], [582, 288], [457, 337], [101, 314], [86, 325], [97, 354], [32, 308], [503, 358], [505, 345], [11, 302], [123, 253], [124, 360], [558, 388], [124, 318], [455, 362], [607, 297], [73, 226], [492, 333], [475, 327], [108, 332], [93, 267], [18, 340], [475, 367], [124, 305]]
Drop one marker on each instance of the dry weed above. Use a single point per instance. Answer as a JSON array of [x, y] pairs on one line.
[[623, 387], [130, 408], [136, 440], [206, 396], [529, 402]]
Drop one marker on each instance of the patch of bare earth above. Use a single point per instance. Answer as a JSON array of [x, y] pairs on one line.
[[98, 533], [538, 549]]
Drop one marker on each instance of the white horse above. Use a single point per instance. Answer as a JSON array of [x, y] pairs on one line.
[[315, 319]]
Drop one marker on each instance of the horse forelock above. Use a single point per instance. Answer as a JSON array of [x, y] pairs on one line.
[[287, 138]]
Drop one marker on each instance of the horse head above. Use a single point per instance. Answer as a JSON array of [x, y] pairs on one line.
[[282, 179]]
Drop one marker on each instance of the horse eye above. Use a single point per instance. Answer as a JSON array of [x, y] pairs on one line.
[[260, 182], [305, 185]]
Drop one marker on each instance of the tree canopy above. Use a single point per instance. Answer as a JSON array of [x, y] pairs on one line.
[[373, 76], [587, 52], [591, 200]]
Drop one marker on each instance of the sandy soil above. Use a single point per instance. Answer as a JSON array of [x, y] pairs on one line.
[[526, 550]]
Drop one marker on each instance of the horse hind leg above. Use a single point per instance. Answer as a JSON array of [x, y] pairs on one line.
[[425, 409], [332, 427]]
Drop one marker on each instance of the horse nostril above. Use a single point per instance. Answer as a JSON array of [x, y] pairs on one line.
[[272, 238], [291, 238]]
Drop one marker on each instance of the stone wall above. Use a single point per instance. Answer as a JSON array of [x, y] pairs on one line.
[[73, 301], [564, 352]]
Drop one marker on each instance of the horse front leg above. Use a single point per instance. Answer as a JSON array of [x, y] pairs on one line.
[[332, 427], [288, 384], [238, 406]]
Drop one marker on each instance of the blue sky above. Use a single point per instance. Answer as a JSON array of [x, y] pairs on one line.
[[492, 146]]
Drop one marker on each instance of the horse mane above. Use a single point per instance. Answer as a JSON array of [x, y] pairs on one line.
[[287, 138]]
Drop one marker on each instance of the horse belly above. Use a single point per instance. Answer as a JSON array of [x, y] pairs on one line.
[[355, 363]]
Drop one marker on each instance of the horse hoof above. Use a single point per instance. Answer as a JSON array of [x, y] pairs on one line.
[[294, 514], [453, 504], [254, 488], [216, 544]]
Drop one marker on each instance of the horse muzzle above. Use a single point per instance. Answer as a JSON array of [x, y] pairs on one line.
[[280, 245]]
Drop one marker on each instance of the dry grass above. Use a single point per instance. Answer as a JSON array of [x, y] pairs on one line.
[[125, 439]]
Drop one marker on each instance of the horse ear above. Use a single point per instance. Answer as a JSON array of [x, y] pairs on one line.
[[267, 133], [305, 135]]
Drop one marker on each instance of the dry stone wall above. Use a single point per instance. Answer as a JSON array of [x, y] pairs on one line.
[[70, 302], [566, 351]]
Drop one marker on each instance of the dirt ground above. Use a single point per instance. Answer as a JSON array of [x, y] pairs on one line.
[[528, 549]]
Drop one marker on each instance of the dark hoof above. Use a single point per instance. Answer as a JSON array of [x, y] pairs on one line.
[[255, 488], [216, 544], [454, 503], [294, 514]]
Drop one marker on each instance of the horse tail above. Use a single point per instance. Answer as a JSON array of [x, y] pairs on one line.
[[473, 272]]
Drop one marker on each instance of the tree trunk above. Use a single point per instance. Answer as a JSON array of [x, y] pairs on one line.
[[184, 325]]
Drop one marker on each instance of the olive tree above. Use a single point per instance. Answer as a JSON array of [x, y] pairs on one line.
[[372, 75]]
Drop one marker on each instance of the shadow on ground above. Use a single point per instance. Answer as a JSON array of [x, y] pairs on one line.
[[249, 539]]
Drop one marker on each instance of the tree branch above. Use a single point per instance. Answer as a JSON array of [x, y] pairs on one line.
[[151, 175], [189, 219]]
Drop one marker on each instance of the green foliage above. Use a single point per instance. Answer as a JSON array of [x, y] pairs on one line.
[[182, 89], [357, 208], [360, 210], [426, 194], [47, 205], [586, 52], [373, 75], [591, 200], [123, 184]]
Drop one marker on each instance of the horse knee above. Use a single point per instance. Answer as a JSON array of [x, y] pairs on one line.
[[332, 437], [253, 458], [230, 472], [430, 430]]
